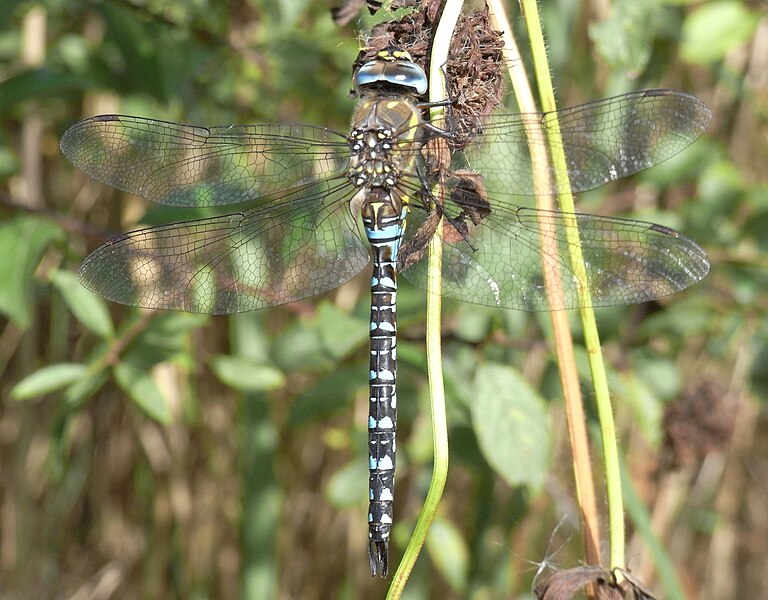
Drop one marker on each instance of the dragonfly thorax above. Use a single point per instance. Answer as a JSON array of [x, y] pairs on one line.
[[372, 164], [385, 123], [383, 141]]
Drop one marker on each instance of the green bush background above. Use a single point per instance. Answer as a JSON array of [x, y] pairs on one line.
[[168, 455]]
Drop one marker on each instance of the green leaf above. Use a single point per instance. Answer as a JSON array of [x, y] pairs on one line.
[[84, 388], [249, 335], [347, 486], [23, 240], [447, 549], [473, 323], [166, 338], [636, 390], [458, 371], [716, 28], [7, 9], [330, 395], [48, 379], [300, 348], [9, 162], [89, 309], [661, 375], [246, 375], [511, 425], [624, 39], [143, 54], [36, 83], [171, 323], [143, 390], [340, 333]]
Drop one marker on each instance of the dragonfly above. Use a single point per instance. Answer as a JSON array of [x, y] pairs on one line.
[[311, 207]]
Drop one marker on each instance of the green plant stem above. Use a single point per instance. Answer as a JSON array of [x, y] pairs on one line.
[[437, 93], [589, 323], [566, 361]]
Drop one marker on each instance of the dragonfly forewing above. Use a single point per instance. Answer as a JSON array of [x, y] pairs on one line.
[[185, 165], [602, 141]]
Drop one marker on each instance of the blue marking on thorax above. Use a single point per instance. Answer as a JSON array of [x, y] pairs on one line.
[[393, 231]]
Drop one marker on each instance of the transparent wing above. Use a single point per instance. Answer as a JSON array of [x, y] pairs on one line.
[[602, 141], [302, 244], [185, 165], [500, 262]]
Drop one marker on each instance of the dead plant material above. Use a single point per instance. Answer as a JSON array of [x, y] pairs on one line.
[[474, 71], [700, 422], [467, 193], [567, 583]]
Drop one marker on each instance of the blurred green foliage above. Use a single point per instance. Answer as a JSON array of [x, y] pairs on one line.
[[153, 455]]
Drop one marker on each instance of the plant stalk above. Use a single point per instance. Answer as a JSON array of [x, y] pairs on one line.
[[437, 93]]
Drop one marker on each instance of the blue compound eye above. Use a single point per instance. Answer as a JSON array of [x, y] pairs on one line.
[[391, 72]]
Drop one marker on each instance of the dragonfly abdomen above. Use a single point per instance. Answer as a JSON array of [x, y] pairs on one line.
[[384, 227]]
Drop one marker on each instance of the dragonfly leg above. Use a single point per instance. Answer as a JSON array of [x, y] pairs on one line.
[[434, 104]]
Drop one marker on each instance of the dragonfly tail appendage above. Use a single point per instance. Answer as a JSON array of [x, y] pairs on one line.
[[379, 557]]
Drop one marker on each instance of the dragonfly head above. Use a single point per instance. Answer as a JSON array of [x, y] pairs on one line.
[[392, 71]]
